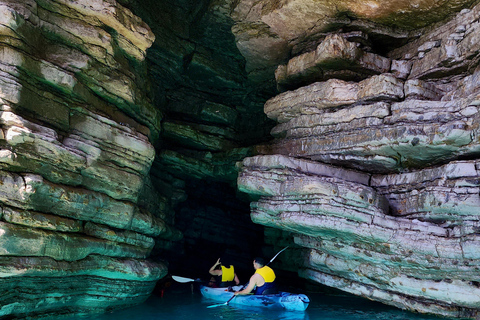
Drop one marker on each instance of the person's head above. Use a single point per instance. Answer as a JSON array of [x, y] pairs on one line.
[[225, 261], [258, 262]]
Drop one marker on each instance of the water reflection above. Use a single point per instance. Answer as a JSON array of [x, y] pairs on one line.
[[183, 305], [348, 307], [235, 313]]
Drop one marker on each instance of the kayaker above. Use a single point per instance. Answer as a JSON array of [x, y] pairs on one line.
[[263, 280], [225, 276]]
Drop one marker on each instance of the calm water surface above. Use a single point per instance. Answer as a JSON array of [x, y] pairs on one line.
[[182, 304]]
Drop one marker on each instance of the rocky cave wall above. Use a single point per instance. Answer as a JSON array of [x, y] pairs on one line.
[[76, 149], [212, 117], [374, 166], [122, 123]]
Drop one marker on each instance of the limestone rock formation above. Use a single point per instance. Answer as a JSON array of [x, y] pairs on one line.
[[76, 149], [358, 244], [374, 167]]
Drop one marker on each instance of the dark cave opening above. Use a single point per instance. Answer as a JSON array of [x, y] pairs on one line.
[[215, 223]]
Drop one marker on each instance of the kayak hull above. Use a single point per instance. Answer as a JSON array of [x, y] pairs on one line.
[[282, 300]]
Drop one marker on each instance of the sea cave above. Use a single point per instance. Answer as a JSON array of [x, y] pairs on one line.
[[147, 138]]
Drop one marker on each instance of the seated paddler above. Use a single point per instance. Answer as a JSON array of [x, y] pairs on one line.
[[262, 281], [224, 274]]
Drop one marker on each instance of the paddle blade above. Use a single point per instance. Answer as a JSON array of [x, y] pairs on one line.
[[222, 304], [217, 305], [182, 279]]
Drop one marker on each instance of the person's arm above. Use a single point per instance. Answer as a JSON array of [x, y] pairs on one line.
[[237, 281], [214, 272], [250, 287]]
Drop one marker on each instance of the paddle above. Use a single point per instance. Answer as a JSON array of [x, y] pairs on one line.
[[277, 255], [222, 304], [183, 279], [225, 303]]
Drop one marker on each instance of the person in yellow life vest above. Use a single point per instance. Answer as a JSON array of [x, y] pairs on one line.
[[225, 276], [262, 281]]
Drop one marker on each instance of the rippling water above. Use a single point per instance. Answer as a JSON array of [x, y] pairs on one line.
[[182, 304]]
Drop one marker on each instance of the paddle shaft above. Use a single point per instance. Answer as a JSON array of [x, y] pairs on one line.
[[222, 304], [277, 255], [230, 299]]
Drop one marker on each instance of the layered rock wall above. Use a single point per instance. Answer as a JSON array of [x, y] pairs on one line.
[[374, 167], [76, 147]]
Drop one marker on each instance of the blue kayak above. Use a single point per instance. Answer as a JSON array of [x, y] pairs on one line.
[[282, 300]]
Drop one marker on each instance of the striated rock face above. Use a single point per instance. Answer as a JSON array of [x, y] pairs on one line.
[[76, 147], [374, 167], [268, 32], [357, 244], [379, 124]]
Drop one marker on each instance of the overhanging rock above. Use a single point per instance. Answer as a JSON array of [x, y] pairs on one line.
[[357, 243]]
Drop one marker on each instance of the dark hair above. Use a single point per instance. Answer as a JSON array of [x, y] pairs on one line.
[[226, 262], [260, 261]]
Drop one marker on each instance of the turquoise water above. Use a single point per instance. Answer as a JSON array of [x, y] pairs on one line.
[[182, 304]]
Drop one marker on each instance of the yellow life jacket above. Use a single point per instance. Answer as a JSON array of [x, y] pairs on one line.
[[267, 273], [228, 274]]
